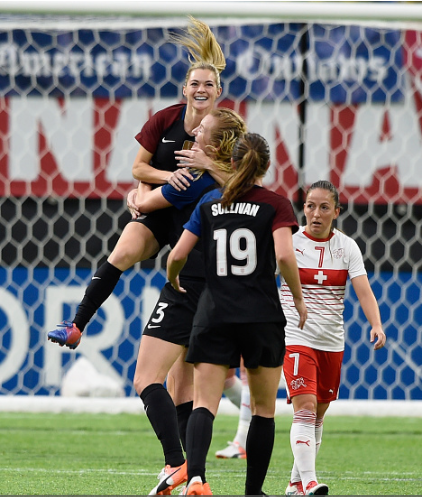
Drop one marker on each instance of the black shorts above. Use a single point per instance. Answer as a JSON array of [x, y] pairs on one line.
[[159, 223], [260, 344], [172, 317]]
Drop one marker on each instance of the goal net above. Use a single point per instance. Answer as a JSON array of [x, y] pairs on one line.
[[341, 102]]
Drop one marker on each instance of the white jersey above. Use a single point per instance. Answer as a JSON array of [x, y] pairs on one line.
[[324, 265]]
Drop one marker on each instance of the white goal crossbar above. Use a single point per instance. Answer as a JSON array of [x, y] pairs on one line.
[[376, 13]]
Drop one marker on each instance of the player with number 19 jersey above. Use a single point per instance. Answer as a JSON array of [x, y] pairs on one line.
[[324, 266], [239, 257]]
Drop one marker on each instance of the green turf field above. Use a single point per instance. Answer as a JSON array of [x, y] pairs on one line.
[[101, 454]]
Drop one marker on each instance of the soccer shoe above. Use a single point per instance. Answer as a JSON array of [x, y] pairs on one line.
[[67, 333], [314, 488], [295, 488], [170, 478], [196, 487], [206, 489], [233, 451]]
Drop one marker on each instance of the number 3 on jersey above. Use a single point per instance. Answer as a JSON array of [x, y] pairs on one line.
[[234, 245], [159, 312]]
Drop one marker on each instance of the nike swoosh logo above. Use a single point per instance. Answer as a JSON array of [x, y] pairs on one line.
[[168, 481], [153, 326], [95, 278], [168, 141]]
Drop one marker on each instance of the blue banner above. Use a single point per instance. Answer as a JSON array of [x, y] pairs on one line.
[[347, 64], [33, 301]]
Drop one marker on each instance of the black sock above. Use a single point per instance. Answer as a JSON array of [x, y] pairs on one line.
[[162, 415], [259, 447], [183, 413], [99, 289], [198, 441]]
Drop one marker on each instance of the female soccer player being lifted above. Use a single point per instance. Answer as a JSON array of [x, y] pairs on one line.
[[244, 230], [325, 257]]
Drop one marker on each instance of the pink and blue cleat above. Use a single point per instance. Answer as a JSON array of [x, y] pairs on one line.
[[66, 333]]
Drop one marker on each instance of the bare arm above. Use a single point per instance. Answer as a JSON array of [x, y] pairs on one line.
[[142, 171], [178, 257], [370, 308], [148, 200], [286, 261]]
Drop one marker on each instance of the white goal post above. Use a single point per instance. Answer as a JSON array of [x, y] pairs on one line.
[[335, 89]]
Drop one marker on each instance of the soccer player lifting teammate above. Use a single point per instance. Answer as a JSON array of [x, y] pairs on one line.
[[312, 366], [244, 230], [161, 136]]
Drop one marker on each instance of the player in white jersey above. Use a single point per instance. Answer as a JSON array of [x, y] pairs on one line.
[[326, 257]]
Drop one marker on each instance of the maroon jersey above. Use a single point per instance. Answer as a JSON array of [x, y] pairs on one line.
[[163, 134], [239, 256]]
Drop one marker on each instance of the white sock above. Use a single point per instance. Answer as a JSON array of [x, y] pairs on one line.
[[302, 441], [318, 434], [295, 475], [233, 390], [245, 416]]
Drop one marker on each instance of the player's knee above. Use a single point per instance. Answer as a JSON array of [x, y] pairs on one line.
[[263, 409], [230, 381], [138, 384], [305, 403], [124, 257]]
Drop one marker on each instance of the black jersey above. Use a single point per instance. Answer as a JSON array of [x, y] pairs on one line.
[[163, 134], [239, 256], [184, 203]]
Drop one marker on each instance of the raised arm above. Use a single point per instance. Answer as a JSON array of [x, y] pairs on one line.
[[286, 261], [370, 308]]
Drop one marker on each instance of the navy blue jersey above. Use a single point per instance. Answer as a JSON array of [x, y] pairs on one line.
[[239, 256], [198, 186], [184, 203], [163, 134]]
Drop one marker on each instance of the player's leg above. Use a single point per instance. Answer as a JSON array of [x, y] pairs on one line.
[[301, 373], [319, 425], [262, 347], [169, 327], [136, 243], [295, 475], [329, 373], [236, 448], [263, 385], [155, 358], [208, 388], [233, 388], [180, 387]]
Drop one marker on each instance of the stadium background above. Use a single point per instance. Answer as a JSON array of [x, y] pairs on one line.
[[336, 100]]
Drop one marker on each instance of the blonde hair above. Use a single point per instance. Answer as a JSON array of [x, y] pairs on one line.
[[204, 50], [251, 155], [228, 128]]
